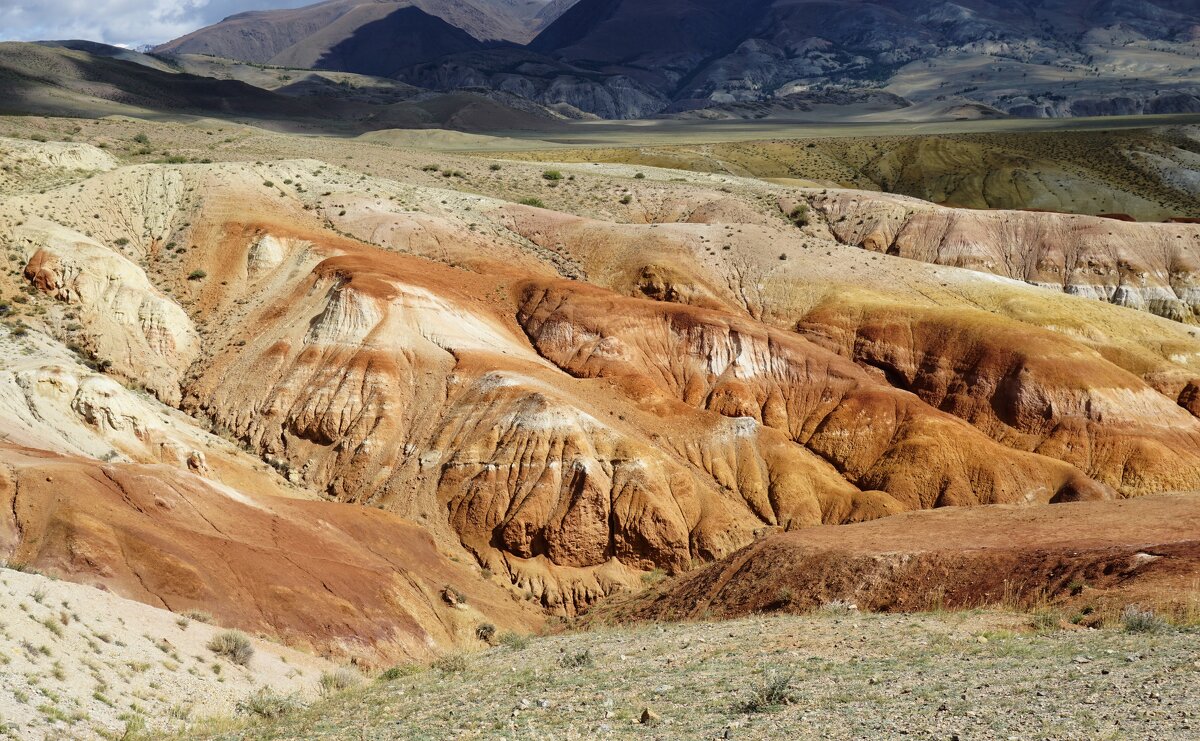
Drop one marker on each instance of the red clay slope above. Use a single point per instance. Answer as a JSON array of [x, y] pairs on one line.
[[1143, 550], [346, 580]]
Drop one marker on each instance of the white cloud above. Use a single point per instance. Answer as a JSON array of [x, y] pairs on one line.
[[119, 22]]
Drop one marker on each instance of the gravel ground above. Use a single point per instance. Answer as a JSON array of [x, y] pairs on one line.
[[977, 675]]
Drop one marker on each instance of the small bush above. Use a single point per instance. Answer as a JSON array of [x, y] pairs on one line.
[[799, 215], [451, 664], [577, 660], [494, 168], [121, 241], [1137, 620], [197, 275], [396, 672], [1046, 621], [233, 645], [199, 616], [515, 641], [486, 632], [774, 691], [142, 139], [535, 202], [626, 200], [653, 577], [839, 607], [640, 176], [552, 175], [267, 703], [338, 680]]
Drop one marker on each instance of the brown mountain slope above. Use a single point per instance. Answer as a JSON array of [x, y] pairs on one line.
[[40, 79], [270, 36]]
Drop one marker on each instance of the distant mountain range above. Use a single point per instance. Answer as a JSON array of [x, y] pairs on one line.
[[633, 58]]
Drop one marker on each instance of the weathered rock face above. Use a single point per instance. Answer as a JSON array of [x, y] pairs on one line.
[[1029, 389], [1150, 267], [124, 316], [870, 433]]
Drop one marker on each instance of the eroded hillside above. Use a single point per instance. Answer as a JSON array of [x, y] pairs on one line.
[[650, 372]]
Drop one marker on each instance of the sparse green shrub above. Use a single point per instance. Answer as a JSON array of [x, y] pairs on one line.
[[233, 645], [515, 641], [486, 632], [626, 199], [1137, 620], [535, 202], [839, 607], [494, 167], [267, 703], [141, 139], [653, 577], [577, 660], [197, 275], [338, 680], [773, 691], [799, 215], [451, 664], [640, 176], [1046, 621], [120, 241], [552, 175], [391, 674], [199, 616]]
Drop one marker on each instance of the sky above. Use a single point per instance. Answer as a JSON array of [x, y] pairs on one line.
[[119, 22]]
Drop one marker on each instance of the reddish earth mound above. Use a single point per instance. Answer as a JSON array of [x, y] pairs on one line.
[[346, 580], [1144, 550]]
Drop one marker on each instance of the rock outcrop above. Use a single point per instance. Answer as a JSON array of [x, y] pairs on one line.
[[126, 320]]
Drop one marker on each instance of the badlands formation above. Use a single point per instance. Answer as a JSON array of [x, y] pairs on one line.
[[380, 403]]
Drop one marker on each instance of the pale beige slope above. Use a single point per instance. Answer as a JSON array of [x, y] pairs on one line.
[[50, 400], [79, 662]]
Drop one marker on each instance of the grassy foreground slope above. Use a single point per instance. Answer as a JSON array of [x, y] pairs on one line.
[[832, 674]]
